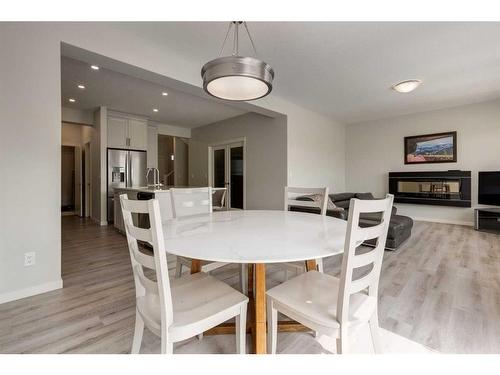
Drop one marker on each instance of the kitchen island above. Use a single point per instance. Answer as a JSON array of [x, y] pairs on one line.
[[162, 193]]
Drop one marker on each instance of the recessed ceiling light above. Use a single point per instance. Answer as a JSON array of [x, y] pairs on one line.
[[155, 109], [407, 86], [72, 100], [81, 87], [95, 67], [164, 93]]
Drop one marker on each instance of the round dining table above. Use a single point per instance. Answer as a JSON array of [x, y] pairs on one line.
[[255, 237]]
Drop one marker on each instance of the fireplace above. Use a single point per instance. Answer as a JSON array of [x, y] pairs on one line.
[[447, 188]]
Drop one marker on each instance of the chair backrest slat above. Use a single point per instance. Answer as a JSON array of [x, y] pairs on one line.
[[158, 262], [368, 233], [354, 237], [150, 286], [191, 201], [145, 260], [292, 193], [364, 259], [140, 234], [135, 206], [362, 283]]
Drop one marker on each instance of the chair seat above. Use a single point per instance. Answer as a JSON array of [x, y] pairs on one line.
[[313, 296], [200, 301]]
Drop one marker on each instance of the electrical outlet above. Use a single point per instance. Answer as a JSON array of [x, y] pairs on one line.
[[29, 259]]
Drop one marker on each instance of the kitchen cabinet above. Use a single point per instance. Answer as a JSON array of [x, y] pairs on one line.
[[127, 133], [117, 132]]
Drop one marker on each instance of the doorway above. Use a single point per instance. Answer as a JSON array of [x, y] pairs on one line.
[[68, 183], [227, 170], [173, 157]]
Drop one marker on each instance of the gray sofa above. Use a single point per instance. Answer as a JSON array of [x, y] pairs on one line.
[[399, 227]]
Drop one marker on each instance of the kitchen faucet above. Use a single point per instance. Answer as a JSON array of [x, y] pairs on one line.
[[156, 177]]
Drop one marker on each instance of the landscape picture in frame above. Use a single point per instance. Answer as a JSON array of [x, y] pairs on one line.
[[431, 148]]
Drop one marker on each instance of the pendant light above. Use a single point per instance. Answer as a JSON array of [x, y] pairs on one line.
[[237, 78]]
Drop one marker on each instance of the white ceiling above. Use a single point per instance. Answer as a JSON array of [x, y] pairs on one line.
[[136, 96], [345, 70]]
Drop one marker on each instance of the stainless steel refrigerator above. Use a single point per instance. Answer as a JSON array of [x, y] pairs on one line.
[[125, 169]]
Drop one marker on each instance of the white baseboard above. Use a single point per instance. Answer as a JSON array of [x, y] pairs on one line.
[[444, 221], [31, 291]]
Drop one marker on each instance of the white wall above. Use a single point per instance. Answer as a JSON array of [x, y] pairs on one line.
[[376, 148], [316, 151], [30, 117], [71, 134], [30, 120], [266, 161], [173, 130], [77, 116]]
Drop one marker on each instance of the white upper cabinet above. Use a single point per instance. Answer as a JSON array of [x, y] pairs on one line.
[[127, 133], [117, 132], [138, 134]]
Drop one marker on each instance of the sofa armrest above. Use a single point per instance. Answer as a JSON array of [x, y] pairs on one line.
[[339, 214]]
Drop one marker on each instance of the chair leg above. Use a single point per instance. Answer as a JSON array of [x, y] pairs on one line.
[[375, 333], [241, 330], [138, 332], [244, 279], [272, 327], [178, 268], [320, 265], [166, 346], [342, 342]]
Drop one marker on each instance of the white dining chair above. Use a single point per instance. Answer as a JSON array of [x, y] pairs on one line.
[[219, 202], [182, 308], [334, 307], [318, 199], [197, 201]]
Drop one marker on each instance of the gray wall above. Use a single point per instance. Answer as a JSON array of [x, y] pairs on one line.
[[266, 156], [376, 148], [30, 118], [30, 162]]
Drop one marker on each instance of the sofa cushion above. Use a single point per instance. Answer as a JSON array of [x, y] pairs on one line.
[[397, 226], [343, 204], [341, 197], [365, 196], [317, 198]]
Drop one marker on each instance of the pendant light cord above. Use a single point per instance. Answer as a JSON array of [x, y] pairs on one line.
[[225, 39], [236, 38], [251, 40]]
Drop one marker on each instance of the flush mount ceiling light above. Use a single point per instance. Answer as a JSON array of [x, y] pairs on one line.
[[81, 87], [164, 93], [155, 109], [235, 77], [95, 67], [407, 86], [71, 100]]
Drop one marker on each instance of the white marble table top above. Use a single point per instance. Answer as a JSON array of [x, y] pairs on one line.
[[255, 236]]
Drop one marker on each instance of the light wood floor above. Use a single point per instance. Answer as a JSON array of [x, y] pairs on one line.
[[440, 289]]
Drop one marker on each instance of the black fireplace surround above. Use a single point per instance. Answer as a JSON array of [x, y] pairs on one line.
[[446, 188]]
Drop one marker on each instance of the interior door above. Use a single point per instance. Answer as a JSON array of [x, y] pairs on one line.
[[228, 170]]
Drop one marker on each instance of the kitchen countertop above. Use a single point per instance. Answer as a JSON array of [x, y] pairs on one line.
[[145, 189]]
